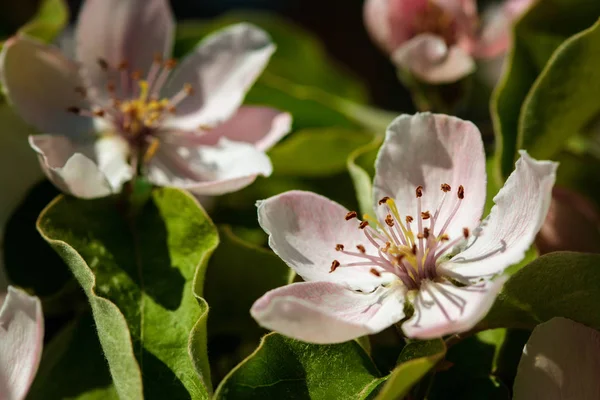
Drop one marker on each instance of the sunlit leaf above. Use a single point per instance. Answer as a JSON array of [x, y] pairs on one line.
[[143, 275]]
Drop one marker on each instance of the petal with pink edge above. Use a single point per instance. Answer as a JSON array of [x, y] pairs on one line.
[[428, 58], [83, 169], [208, 170], [520, 209], [304, 229], [117, 31], [40, 83], [221, 70], [429, 150], [324, 312], [442, 308], [21, 341], [261, 126], [561, 360]]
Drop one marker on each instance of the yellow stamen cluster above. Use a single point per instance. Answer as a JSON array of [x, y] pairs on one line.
[[143, 112]]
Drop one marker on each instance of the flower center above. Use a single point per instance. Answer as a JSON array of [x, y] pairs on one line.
[[435, 20], [134, 108], [411, 247]]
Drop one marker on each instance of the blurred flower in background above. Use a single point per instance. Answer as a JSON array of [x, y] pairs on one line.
[[438, 40]]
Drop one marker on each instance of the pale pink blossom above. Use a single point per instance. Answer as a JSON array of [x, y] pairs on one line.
[[425, 259], [438, 40], [561, 361], [124, 107], [21, 340]]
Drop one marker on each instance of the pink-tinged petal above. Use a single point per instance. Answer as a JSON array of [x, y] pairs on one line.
[[40, 83], [220, 70], [208, 170], [518, 214], [497, 20], [391, 22], [21, 341], [115, 31], [430, 150], [442, 308], [304, 229], [561, 360], [428, 58], [83, 169], [325, 312], [261, 126]]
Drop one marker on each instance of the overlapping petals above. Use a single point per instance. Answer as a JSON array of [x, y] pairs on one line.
[[437, 40], [203, 140], [381, 266]]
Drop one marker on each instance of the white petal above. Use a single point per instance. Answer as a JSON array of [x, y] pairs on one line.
[[21, 340], [429, 150], [324, 312], [428, 58], [40, 83], [561, 361], [221, 70], [88, 169], [261, 126], [304, 229], [208, 170], [122, 30], [442, 308], [517, 216]]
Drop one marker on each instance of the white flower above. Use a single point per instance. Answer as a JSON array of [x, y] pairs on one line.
[[426, 252]]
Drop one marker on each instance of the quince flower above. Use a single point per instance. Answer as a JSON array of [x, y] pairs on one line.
[[425, 258], [124, 109], [21, 341], [560, 361], [437, 40]]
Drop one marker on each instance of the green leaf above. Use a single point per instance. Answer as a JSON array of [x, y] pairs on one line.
[[238, 274], [49, 21], [537, 35], [361, 166], [472, 367], [561, 284], [282, 368], [316, 152], [416, 360], [73, 366], [249, 272], [563, 101], [143, 277]]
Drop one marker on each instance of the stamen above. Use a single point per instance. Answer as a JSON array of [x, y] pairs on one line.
[[383, 200], [389, 220], [375, 272], [334, 265], [445, 188], [363, 225], [461, 192], [103, 64], [361, 248], [409, 219], [152, 149], [339, 247], [466, 233], [419, 191], [350, 215], [425, 215]]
